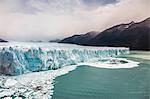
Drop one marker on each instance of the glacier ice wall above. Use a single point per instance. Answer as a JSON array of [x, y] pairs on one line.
[[17, 60]]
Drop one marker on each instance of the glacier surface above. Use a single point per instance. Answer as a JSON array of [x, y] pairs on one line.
[[52, 60], [20, 58]]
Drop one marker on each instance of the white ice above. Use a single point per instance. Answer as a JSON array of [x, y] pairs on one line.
[[115, 65], [35, 85]]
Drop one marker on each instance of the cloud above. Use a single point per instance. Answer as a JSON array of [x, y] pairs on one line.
[[50, 19]]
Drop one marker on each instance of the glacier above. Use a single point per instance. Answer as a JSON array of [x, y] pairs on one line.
[[28, 70], [20, 58]]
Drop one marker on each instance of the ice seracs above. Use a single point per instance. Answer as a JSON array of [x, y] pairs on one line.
[[36, 67], [18, 59]]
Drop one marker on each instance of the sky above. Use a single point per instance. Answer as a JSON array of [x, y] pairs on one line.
[[26, 20]]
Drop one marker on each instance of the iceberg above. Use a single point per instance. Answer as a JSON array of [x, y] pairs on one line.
[[20, 58]]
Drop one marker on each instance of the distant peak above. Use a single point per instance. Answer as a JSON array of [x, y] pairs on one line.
[[132, 22], [148, 19], [146, 22]]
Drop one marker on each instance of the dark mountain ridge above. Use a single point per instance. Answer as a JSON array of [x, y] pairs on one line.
[[1, 40], [136, 36], [80, 39]]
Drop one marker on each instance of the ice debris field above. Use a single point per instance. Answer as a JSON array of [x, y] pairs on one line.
[[28, 70]]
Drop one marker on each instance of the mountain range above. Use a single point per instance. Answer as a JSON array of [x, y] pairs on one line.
[[136, 36], [1, 40]]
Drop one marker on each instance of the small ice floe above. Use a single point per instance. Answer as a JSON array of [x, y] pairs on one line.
[[112, 63], [6, 93], [10, 83]]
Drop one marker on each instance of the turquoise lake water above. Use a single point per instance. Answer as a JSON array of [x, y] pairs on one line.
[[87, 82]]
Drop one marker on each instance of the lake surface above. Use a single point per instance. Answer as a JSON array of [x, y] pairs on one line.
[[87, 82]]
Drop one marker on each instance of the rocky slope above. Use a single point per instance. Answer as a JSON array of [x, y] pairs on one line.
[[136, 36], [80, 39]]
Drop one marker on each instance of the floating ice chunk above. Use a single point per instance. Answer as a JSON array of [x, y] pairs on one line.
[[10, 83], [112, 63], [7, 93]]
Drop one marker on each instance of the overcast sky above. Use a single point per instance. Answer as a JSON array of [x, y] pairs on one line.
[[25, 20]]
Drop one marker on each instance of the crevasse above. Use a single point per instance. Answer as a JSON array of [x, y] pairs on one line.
[[16, 61]]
